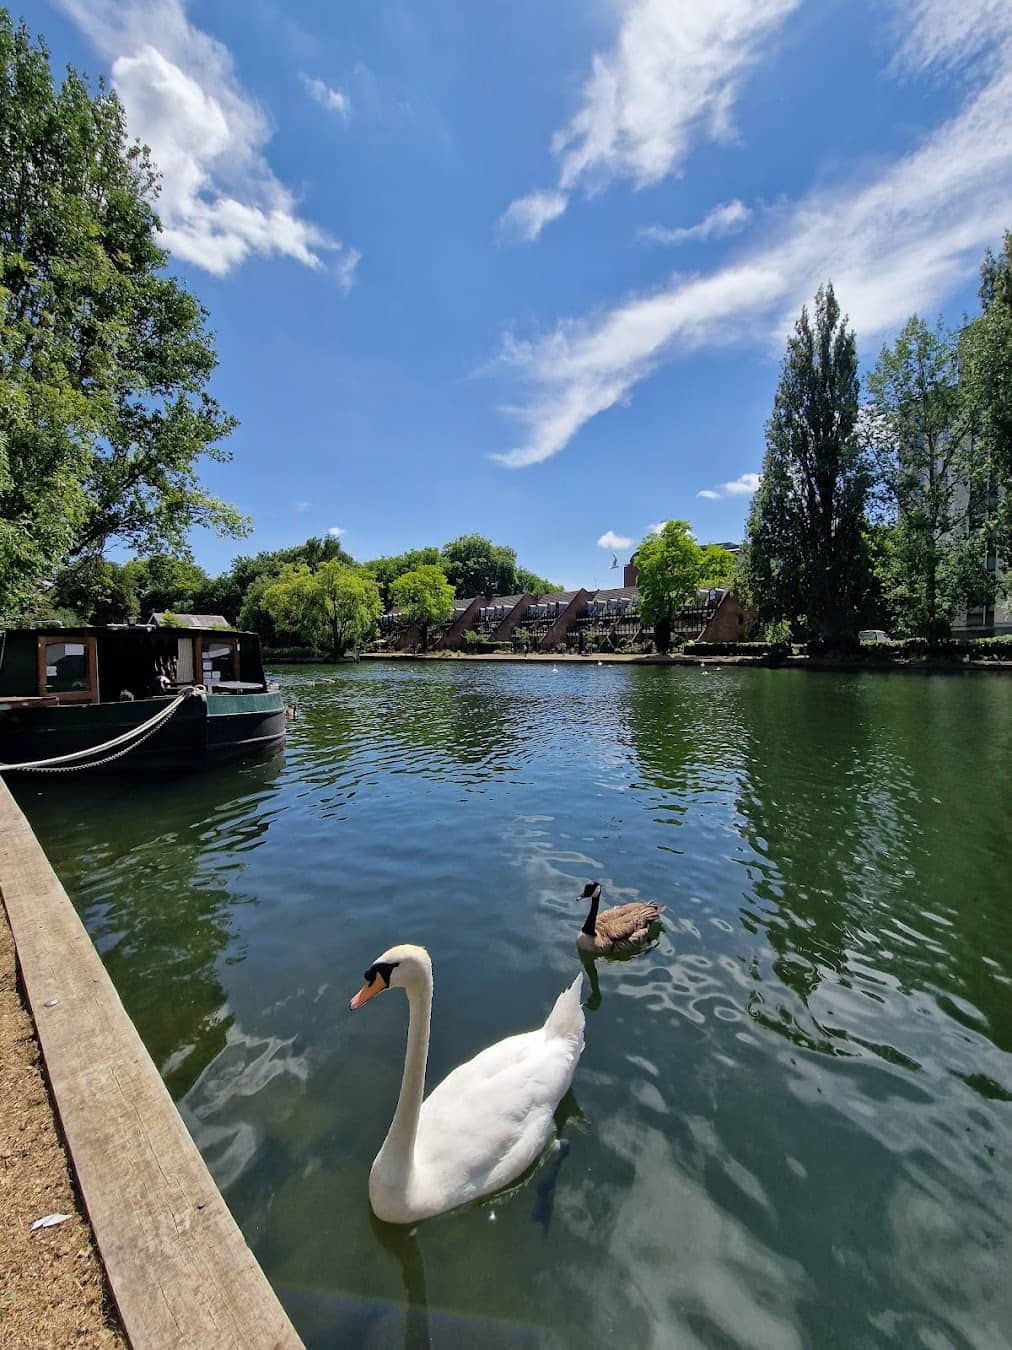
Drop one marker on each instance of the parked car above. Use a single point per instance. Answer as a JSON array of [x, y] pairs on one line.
[[873, 635]]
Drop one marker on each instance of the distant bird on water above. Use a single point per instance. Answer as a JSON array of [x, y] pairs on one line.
[[620, 929]]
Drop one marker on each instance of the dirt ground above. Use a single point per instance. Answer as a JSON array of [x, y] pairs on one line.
[[53, 1290]]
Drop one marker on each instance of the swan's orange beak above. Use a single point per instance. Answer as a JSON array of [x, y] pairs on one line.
[[367, 992]]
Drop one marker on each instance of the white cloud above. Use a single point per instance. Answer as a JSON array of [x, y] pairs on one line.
[[716, 224], [220, 201], [657, 528], [526, 217], [903, 239], [673, 77], [335, 531], [612, 540], [347, 268], [742, 486], [937, 33], [334, 100], [303, 506]]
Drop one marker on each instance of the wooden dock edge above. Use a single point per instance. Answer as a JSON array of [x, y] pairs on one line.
[[179, 1267]]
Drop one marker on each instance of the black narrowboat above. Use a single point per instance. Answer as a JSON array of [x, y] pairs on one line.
[[134, 696]]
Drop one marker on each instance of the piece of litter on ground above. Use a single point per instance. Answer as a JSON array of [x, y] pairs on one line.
[[50, 1221]]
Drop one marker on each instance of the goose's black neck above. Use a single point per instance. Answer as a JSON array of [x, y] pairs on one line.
[[590, 927]]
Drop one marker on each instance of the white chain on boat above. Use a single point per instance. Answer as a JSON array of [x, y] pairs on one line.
[[83, 759]]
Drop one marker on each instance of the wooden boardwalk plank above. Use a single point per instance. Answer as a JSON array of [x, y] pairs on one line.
[[180, 1270]]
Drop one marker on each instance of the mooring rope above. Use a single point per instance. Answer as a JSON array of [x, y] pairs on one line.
[[129, 740]]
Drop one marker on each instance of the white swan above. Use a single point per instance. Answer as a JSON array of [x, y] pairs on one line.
[[486, 1122]]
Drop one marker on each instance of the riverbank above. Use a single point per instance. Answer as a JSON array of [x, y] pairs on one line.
[[176, 1262], [845, 664], [53, 1289]]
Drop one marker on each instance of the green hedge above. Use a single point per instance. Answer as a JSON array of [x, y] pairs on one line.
[[905, 649], [290, 654], [778, 649], [485, 648]]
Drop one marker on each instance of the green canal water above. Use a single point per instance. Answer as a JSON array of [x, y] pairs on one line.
[[792, 1124]]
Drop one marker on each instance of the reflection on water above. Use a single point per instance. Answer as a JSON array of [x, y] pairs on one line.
[[795, 1107]]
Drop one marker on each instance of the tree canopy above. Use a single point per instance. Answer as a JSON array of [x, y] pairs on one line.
[[668, 565], [717, 566], [332, 608], [931, 562], [104, 359], [804, 558], [425, 597]]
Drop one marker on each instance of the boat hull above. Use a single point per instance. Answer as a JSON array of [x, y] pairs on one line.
[[199, 734]]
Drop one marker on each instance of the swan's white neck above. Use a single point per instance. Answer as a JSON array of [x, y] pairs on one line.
[[399, 1145]]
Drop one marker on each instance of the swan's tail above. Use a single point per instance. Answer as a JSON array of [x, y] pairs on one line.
[[566, 1018]]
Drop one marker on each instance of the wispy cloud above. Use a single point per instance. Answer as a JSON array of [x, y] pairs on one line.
[[656, 528], [612, 540], [903, 239], [302, 506], [220, 200], [742, 486], [525, 218], [335, 531], [716, 224], [672, 78], [334, 100]]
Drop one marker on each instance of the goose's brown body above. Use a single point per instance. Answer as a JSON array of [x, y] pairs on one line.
[[620, 929]]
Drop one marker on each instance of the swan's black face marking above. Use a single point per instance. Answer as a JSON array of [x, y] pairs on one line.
[[384, 969]]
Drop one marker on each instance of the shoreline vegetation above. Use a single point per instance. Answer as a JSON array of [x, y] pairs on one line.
[[874, 662]]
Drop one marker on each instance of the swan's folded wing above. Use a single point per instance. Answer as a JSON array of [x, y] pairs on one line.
[[490, 1119]]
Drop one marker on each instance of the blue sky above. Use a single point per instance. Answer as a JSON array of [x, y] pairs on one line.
[[529, 269]]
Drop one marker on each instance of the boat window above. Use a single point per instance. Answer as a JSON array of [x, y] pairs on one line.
[[67, 667], [219, 660]]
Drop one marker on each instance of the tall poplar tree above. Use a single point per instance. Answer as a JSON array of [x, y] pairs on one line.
[[985, 378], [932, 563], [104, 359], [804, 559]]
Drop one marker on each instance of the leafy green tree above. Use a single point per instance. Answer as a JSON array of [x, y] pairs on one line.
[[333, 608], [985, 378], [104, 358], [804, 559], [717, 566], [236, 593], [530, 583], [475, 566], [96, 591], [914, 429], [386, 570], [423, 596], [163, 582], [668, 566]]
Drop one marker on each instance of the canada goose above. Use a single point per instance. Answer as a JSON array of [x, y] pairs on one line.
[[486, 1122], [620, 929]]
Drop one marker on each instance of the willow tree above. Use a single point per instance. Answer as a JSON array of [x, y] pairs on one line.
[[804, 559], [333, 608], [104, 358]]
